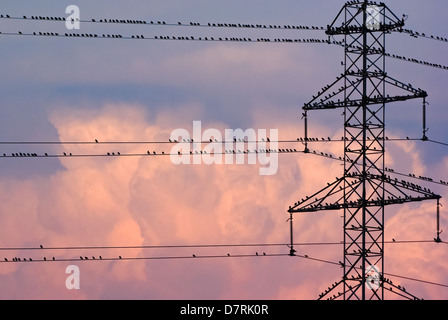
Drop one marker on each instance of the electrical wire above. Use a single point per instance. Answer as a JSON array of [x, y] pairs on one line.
[[438, 142], [198, 246], [417, 61], [117, 36], [198, 257], [211, 39], [114, 36], [159, 22], [384, 273], [397, 57], [279, 150], [157, 246], [416, 34], [125, 258], [98, 142], [416, 280]]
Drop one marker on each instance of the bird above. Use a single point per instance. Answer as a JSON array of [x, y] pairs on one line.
[[194, 255], [41, 246], [96, 140]]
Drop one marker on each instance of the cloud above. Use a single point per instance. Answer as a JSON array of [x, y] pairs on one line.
[[137, 201]]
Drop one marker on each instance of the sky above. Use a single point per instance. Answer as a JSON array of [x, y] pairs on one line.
[[82, 89]]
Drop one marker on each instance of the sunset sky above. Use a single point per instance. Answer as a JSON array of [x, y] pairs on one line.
[[56, 89]]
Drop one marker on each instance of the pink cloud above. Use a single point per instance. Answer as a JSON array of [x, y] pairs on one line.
[[149, 201]]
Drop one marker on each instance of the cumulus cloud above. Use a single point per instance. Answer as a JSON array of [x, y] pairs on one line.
[[137, 201]]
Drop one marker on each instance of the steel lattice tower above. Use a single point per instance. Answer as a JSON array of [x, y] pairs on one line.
[[362, 92]]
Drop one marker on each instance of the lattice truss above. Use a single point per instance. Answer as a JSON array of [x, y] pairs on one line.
[[364, 190]]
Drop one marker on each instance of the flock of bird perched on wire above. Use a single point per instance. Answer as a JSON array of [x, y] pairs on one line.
[[217, 25]]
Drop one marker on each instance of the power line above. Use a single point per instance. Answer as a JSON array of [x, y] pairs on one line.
[[416, 34], [125, 258], [116, 36], [384, 273], [438, 142], [397, 57], [283, 40], [160, 22], [153, 246], [198, 246], [227, 152], [99, 258], [417, 61], [416, 280], [190, 141]]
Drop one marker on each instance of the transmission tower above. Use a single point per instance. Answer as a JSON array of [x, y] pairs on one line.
[[365, 189]]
